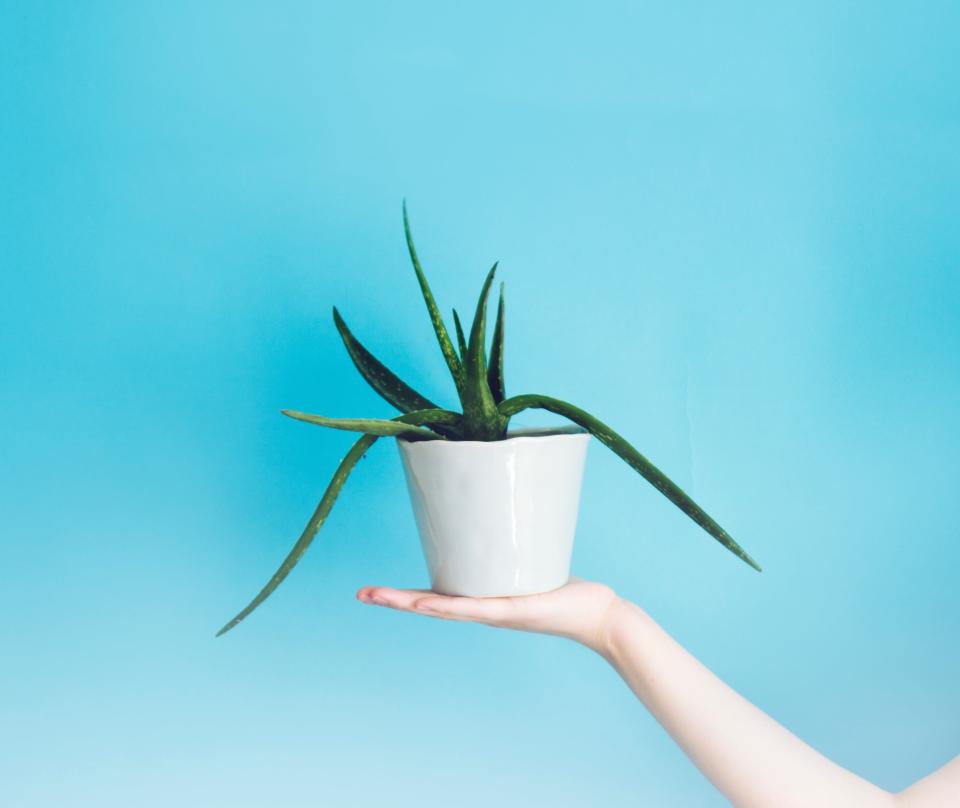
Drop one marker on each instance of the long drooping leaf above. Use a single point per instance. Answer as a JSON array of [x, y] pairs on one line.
[[640, 463], [480, 414], [387, 384], [495, 371], [449, 353], [371, 426], [461, 341], [320, 514]]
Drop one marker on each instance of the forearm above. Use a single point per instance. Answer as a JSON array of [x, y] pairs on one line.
[[749, 757]]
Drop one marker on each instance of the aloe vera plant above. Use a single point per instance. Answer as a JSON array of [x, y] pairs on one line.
[[484, 416]]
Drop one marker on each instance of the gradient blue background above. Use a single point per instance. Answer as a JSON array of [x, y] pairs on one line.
[[731, 233]]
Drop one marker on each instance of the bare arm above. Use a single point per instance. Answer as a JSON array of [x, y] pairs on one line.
[[938, 790], [749, 757]]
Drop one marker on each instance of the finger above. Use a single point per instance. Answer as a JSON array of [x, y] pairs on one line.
[[492, 611], [388, 596]]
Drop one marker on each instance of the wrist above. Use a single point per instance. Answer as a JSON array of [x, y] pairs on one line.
[[624, 622], [603, 638]]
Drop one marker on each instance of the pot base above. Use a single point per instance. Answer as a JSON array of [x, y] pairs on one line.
[[513, 593]]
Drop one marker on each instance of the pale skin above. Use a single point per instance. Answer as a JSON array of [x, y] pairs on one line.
[[750, 758]]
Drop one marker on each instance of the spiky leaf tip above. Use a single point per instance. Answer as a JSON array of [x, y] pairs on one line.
[[495, 369], [446, 346]]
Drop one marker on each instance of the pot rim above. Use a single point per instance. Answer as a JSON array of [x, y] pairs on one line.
[[524, 433]]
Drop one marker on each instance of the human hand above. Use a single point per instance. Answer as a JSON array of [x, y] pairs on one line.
[[580, 610]]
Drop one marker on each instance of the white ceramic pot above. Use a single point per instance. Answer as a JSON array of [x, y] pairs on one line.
[[497, 517]]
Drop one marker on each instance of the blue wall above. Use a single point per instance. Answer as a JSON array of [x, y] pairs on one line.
[[731, 233]]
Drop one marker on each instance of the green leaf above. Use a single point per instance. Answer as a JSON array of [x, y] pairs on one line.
[[461, 342], [476, 365], [379, 376], [636, 460], [387, 384], [449, 354], [320, 514], [481, 418], [371, 426], [306, 537], [495, 371]]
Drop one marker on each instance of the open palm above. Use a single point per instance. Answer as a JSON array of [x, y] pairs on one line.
[[577, 610]]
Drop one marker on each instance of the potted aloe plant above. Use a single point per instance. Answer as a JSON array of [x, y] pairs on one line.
[[496, 508]]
